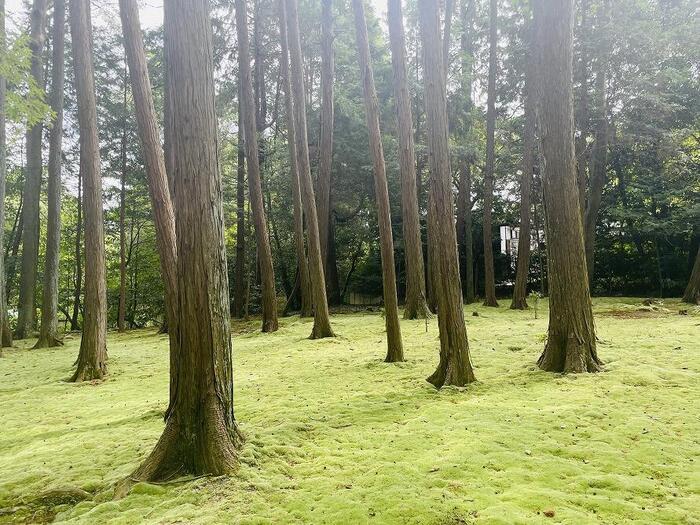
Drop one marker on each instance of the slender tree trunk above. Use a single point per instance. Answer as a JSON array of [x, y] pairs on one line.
[[77, 288], [247, 109], [582, 117], [386, 242], [32, 184], [306, 309], [122, 216], [159, 188], [489, 273], [571, 343], [416, 306], [692, 291], [239, 292], [92, 359], [322, 324], [455, 366], [201, 435], [523, 265], [48, 333], [3, 175]]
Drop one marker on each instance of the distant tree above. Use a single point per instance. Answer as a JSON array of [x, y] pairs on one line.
[[386, 242], [121, 312], [32, 183], [455, 366], [489, 272], [571, 343], [239, 285], [201, 435], [92, 359], [416, 306], [48, 332]]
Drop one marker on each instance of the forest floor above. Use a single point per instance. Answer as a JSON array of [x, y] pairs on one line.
[[335, 435]]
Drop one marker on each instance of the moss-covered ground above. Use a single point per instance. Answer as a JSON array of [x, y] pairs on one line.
[[334, 435]]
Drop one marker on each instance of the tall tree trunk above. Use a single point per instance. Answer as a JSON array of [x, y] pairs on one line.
[[692, 291], [489, 273], [416, 306], [247, 109], [48, 333], [582, 117], [464, 185], [455, 366], [447, 38], [92, 359], [571, 343], [3, 175], [304, 285], [122, 218], [159, 188], [32, 184], [201, 435], [523, 264], [239, 291], [77, 287], [322, 324], [386, 242]]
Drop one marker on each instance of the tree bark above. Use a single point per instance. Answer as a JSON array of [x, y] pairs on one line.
[[416, 306], [92, 359], [523, 264], [201, 435], [386, 242], [247, 109], [122, 218], [455, 366], [447, 38], [77, 288], [571, 343], [489, 273], [692, 291], [239, 290], [48, 333], [155, 162], [26, 315], [322, 324], [3, 176], [582, 117], [304, 285]]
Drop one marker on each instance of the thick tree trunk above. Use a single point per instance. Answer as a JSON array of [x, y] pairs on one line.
[[523, 264], [201, 435], [582, 117], [304, 285], [239, 287], [489, 273], [571, 343], [158, 185], [416, 306], [386, 242], [455, 366], [247, 109], [48, 333], [77, 287], [692, 291], [92, 359], [322, 324], [447, 38], [32, 184], [121, 313], [3, 175]]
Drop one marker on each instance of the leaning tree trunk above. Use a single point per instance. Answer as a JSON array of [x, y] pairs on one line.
[[322, 323], [92, 359], [386, 242], [489, 273], [455, 366], [32, 184], [416, 306], [304, 284], [48, 333], [201, 435], [3, 175], [571, 343], [692, 291], [247, 109], [156, 173], [523, 269]]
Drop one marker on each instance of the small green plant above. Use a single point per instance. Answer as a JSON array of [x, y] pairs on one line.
[[534, 299]]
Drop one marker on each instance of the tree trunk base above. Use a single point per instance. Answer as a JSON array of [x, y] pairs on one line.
[[451, 374], [7, 341], [48, 341], [519, 303], [569, 357], [321, 331], [394, 354], [493, 303], [416, 310], [269, 326], [88, 372]]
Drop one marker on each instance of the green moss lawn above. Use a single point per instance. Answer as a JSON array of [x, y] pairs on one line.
[[334, 435]]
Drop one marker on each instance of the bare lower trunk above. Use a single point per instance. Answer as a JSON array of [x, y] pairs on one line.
[[416, 306], [247, 109], [48, 333], [455, 366], [239, 287], [122, 219], [692, 291], [92, 359], [201, 436], [26, 318], [322, 324], [77, 285], [571, 343]]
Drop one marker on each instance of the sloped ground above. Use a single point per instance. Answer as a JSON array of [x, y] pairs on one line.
[[334, 435]]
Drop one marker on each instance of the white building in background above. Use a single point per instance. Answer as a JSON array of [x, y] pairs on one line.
[[510, 236]]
